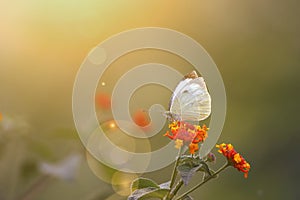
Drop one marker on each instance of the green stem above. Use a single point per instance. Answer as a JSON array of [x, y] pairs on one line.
[[177, 187], [174, 173], [206, 180]]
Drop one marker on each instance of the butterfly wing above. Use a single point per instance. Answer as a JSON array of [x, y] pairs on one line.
[[191, 100]]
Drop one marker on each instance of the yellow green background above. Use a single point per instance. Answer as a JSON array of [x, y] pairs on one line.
[[255, 45]]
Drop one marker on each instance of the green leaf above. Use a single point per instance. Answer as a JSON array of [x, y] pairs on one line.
[[187, 159], [189, 165], [148, 193], [165, 185], [187, 171], [140, 192], [141, 183], [160, 194], [205, 168]]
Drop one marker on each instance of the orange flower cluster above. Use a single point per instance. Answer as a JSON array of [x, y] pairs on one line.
[[189, 134], [234, 158]]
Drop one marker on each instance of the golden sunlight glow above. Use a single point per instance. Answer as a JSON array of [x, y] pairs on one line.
[[112, 125]]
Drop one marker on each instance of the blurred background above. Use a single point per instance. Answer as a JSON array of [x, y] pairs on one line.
[[255, 45]]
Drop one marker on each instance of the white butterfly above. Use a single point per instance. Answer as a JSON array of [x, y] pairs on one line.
[[190, 100]]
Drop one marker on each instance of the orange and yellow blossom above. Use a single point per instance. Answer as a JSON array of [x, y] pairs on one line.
[[189, 134], [234, 158]]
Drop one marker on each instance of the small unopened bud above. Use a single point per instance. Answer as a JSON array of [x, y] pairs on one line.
[[211, 157]]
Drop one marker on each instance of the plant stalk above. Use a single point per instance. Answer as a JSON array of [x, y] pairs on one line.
[[174, 192], [206, 180], [174, 173]]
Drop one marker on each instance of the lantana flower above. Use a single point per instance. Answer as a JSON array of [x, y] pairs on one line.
[[187, 134], [234, 158]]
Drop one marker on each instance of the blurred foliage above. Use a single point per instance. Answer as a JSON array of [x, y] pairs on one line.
[[22, 155]]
